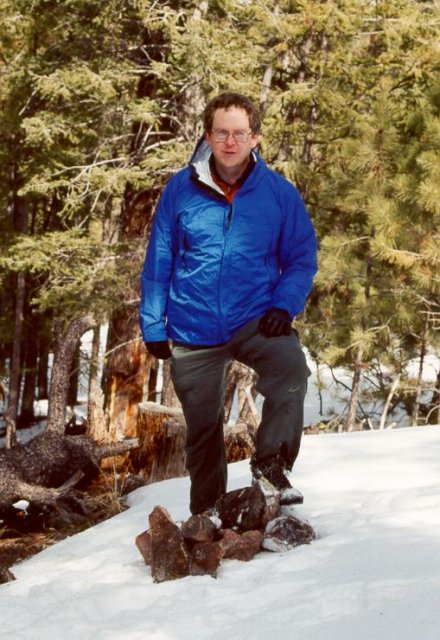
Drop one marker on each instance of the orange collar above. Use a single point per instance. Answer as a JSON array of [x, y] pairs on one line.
[[230, 189]]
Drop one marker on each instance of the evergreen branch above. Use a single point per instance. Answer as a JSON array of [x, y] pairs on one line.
[[87, 167], [355, 241]]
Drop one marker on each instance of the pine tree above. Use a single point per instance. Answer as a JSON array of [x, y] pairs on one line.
[[365, 307], [67, 96], [100, 102]]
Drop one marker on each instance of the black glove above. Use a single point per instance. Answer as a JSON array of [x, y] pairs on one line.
[[275, 322], [160, 349]]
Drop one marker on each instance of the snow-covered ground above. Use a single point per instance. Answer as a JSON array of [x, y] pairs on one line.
[[373, 574]]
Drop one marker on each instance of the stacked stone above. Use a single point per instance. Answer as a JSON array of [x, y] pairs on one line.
[[248, 522]]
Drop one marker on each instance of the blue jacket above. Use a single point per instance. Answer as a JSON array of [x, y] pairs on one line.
[[211, 267]]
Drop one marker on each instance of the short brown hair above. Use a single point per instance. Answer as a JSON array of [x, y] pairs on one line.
[[226, 101]]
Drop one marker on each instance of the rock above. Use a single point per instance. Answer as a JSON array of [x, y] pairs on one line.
[[243, 546], [143, 543], [286, 532], [206, 558], [198, 528], [169, 555], [242, 509], [229, 539], [195, 548]]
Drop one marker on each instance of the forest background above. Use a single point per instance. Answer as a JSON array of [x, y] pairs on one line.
[[101, 102]]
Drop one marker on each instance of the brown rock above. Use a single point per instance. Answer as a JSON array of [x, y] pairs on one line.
[[198, 528], [253, 540], [286, 532], [243, 546], [169, 556], [242, 509], [206, 558], [143, 543]]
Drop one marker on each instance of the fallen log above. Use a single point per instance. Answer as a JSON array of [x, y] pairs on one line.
[[44, 469], [48, 466]]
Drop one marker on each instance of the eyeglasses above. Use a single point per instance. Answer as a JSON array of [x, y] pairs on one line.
[[239, 136]]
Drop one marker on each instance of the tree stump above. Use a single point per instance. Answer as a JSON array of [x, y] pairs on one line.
[[162, 433]]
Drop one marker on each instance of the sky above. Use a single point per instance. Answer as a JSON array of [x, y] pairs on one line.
[[373, 573]]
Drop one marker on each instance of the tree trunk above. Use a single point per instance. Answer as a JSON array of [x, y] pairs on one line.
[[14, 381], [27, 415], [419, 383], [350, 422], [20, 215], [386, 407], [151, 377], [265, 87], [94, 359], [125, 373], [72, 396], [97, 422], [125, 376], [125, 366], [229, 393], [43, 369], [241, 382], [169, 397], [246, 394], [59, 386]]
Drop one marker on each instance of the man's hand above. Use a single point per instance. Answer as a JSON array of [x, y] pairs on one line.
[[275, 322], [160, 350]]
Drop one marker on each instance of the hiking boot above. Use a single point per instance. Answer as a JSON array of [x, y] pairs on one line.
[[270, 475]]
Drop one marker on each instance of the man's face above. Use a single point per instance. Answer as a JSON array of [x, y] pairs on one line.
[[231, 156]]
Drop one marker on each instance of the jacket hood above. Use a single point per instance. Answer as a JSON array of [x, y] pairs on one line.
[[200, 163]]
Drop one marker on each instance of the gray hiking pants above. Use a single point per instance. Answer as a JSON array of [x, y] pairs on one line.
[[198, 375]]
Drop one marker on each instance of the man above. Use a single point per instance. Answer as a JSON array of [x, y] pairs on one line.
[[230, 262]]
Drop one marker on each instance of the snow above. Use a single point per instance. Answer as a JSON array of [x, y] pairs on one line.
[[373, 573]]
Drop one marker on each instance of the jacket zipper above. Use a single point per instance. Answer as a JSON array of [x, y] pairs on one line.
[[227, 226], [229, 218]]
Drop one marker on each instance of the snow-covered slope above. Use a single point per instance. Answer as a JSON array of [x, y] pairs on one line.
[[373, 574]]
